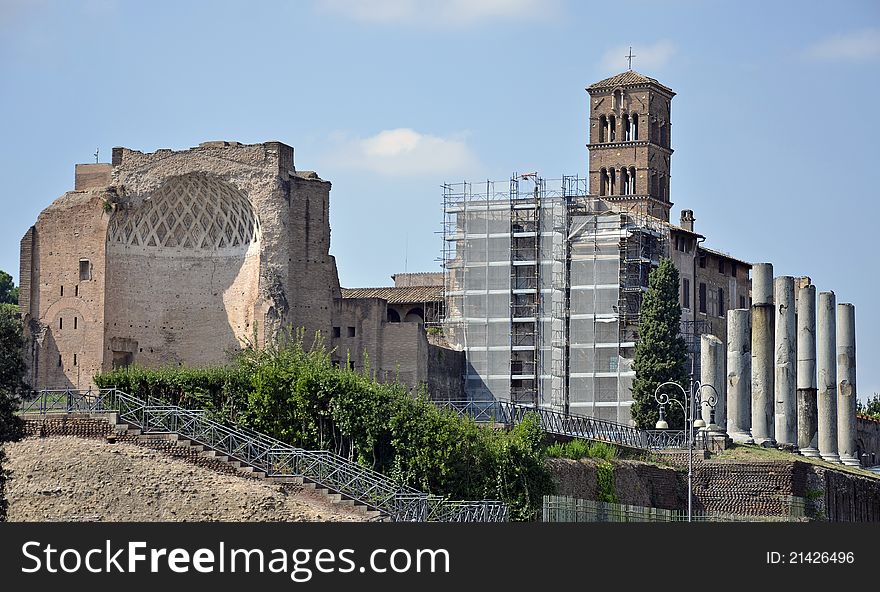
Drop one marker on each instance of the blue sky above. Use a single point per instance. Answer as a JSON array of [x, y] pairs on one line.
[[774, 129]]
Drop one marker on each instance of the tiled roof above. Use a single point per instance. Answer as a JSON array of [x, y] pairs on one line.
[[724, 255], [397, 295], [627, 78]]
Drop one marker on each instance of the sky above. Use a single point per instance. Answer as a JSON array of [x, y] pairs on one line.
[[775, 142]]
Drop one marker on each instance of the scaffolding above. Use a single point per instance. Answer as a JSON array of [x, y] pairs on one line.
[[543, 291]]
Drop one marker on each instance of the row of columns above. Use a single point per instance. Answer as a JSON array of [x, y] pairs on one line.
[[790, 377]]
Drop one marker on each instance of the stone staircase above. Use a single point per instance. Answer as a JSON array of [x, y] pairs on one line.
[[108, 426]]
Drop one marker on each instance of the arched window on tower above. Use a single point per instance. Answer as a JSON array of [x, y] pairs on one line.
[[625, 127], [612, 181], [624, 181], [603, 128], [603, 182], [612, 127], [615, 100], [634, 122], [632, 180]]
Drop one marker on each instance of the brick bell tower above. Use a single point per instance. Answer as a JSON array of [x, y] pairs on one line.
[[629, 146]]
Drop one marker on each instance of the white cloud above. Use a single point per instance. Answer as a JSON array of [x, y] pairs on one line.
[[861, 45], [404, 152], [440, 13], [645, 57]]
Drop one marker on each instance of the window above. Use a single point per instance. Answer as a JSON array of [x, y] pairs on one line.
[[721, 303], [59, 360], [336, 332], [85, 270], [76, 290], [685, 293], [742, 301], [351, 332], [702, 297], [74, 359], [603, 129], [603, 182], [612, 126], [62, 290], [393, 316], [635, 127], [74, 322], [703, 260], [60, 322], [721, 267], [732, 269], [626, 127]]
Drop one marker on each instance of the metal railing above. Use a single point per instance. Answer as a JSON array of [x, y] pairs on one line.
[[675, 440], [553, 422], [274, 457]]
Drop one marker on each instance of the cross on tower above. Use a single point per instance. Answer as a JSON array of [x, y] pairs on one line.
[[629, 57]]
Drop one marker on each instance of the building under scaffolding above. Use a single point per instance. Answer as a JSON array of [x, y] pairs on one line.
[[543, 287]]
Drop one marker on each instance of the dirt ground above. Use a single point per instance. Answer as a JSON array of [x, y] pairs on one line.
[[74, 479]]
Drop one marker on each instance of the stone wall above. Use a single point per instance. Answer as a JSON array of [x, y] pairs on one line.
[[868, 440], [63, 290], [446, 373], [635, 483]]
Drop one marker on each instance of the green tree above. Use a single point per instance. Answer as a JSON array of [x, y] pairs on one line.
[[11, 385], [871, 408], [661, 352], [8, 290]]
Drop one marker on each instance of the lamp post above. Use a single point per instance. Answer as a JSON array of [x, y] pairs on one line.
[[687, 407]]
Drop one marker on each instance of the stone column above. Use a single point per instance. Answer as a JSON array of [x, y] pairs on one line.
[[785, 377], [762, 354], [739, 375], [846, 384], [826, 346], [712, 373], [806, 372]]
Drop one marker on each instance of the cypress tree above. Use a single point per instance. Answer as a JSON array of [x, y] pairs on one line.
[[661, 352]]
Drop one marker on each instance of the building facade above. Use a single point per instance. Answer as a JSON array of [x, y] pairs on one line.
[[544, 278]]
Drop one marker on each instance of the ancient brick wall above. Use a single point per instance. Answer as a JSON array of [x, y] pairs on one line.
[[868, 440], [64, 264], [446, 373]]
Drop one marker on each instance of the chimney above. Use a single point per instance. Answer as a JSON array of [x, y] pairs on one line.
[[687, 220]]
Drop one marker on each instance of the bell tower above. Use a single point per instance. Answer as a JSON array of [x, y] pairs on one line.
[[630, 148]]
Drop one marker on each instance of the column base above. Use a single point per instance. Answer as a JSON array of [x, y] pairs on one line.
[[850, 461], [741, 437], [810, 452], [831, 457], [764, 442]]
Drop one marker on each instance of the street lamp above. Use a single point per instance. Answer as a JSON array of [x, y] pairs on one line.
[[687, 407]]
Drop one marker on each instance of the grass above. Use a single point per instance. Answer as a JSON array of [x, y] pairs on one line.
[[578, 449], [750, 453]]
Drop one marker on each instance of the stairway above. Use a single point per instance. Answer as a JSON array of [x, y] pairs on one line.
[[260, 456], [181, 446]]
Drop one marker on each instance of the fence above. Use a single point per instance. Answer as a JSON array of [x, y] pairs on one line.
[[278, 459], [569, 509], [552, 422]]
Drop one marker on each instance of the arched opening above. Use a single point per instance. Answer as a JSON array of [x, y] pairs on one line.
[[615, 100], [612, 128], [634, 122], [393, 316], [603, 128], [625, 126], [612, 181], [624, 181], [603, 182], [632, 180], [415, 315]]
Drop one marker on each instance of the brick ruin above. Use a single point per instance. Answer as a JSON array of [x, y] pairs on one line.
[[181, 257]]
